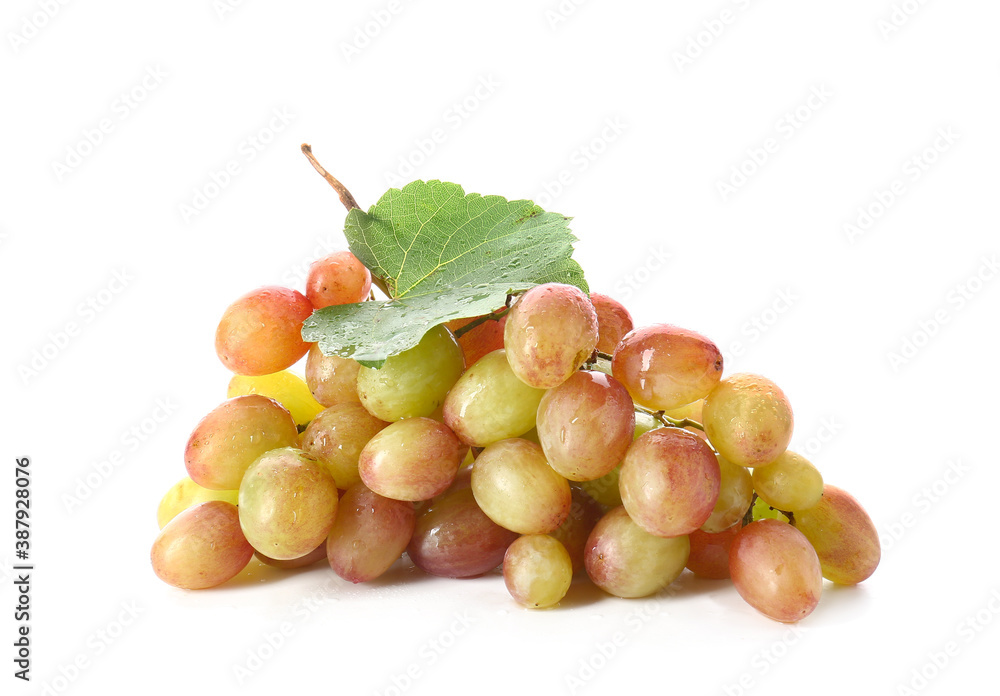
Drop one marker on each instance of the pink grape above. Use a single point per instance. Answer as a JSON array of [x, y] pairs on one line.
[[775, 569], [261, 332], [336, 279], [201, 547], [664, 366], [585, 425]]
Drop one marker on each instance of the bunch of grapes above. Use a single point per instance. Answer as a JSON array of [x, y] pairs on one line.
[[549, 437]]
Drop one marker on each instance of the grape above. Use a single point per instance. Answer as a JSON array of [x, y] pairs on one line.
[[288, 500], [790, 482], [332, 379], [454, 538], [735, 496], [287, 388], [412, 459], [481, 339], [551, 330], [337, 279], [605, 489], [232, 436], [748, 419], [184, 494], [537, 571], [584, 512], [692, 411], [585, 425], [613, 322], [414, 382], [763, 511], [489, 403], [517, 489], [669, 482], [369, 534], [300, 562], [336, 437], [775, 569], [664, 367], [709, 556], [201, 547], [261, 332], [625, 560], [843, 535]]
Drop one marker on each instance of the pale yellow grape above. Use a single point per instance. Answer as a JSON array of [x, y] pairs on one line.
[[414, 382], [336, 437], [748, 419], [516, 488], [790, 482], [735, 496], [537, 571], [331, 378], [625, 560], [288, 501], [186, 493], [489, 403], [285, 387]]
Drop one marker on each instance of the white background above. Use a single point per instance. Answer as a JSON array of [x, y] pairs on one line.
[[769, 266]]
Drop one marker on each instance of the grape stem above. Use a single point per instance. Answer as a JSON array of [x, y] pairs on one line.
[[492, 316], [347, 199], [345, 196], [668, 421], [748, 517]]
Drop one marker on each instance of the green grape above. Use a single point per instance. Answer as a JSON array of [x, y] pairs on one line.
[[843, 535], [414, 382], [489, 403], [664, 366], [261, 332], [412, 459], [551, 330], [790, 482], [669, 482], [369, 534], [186, 493], [625, 560], [763, 511], [517, 489], [775, 569], [748, 419], [585, 425], [232, 436], [735, 496], [288, 501], [537, 571], [332, 379], [201, 547], [285, 387], [336, 437]]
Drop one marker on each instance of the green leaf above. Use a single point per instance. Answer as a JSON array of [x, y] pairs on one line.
[[430, 235], [371, 331], [442, 254]]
